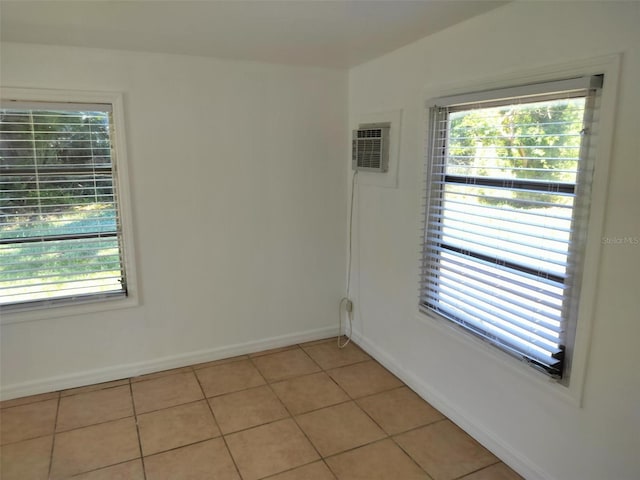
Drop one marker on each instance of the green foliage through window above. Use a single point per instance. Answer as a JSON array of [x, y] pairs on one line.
[[531, 141]]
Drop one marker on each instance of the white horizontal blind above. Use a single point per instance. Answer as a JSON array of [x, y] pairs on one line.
[[60, 235], [506, 210]]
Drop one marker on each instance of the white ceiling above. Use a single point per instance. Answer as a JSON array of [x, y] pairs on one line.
[[339, 33]]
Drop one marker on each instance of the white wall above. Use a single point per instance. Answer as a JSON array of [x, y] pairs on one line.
[[539, 433], [238, 185], [239, 202]]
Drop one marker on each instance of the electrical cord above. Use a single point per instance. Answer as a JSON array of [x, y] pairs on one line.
[[346, 300]]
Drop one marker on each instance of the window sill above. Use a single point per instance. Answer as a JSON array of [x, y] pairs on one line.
[[73, 307], [571, 394]]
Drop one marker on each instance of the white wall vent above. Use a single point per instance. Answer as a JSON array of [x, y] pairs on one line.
[[370, 147]]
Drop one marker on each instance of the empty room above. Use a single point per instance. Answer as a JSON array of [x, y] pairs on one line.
[[319, 240]]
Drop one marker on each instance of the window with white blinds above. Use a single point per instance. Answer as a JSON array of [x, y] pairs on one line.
[[60, 230], [508, 186]]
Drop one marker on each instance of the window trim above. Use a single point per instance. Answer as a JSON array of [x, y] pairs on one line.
[[90, 304], [609, 66]]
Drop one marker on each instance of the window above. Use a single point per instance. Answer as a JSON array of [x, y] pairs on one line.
[[508, 187], [61, 229]]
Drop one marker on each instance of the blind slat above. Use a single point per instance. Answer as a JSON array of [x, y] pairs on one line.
[[524, 282], [541, 310], [504, 322], [489, 296]]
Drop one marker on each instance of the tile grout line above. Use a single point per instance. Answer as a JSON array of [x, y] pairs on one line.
[[389, 436], [130, 380], [441, 420], [393, 439], [273, 475], [135, 419], [462, 477], [135, 414], [273, 351], [89, 425], [222, 436], [69, 395], [167, 408], [216, 363], [27, 439], [53, 437], [292, 417], [75, 475], [2, 409], [413, 429], [102, 421], [195, 370], [380, 440], [355, 401], [351, 399], [172, 449], [409, 455], [253, 359], [386, 437], [322, 408], [160, 374]]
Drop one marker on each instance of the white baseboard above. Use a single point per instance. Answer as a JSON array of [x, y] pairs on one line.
[[472, 426], [88, 377]]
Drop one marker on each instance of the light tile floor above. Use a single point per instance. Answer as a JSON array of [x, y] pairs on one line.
[[305, 412]]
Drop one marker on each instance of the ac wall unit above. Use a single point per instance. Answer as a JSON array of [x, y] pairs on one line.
[[370, 147]]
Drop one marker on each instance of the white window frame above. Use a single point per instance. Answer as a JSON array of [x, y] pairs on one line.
[[571, 390], [46, 310]]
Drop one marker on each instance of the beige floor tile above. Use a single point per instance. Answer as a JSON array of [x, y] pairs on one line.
[[163, 373], [328, 355], [208, 460], [94, 407], [310, 392], [97, 446], [273, 350], [313, 471], [269, 449], [378, 461], [27, 421], [445, 451], [229, 377], [222, 361], [175, 427], [399, 410], [166, 391], [291, 363], [364, 378], [499, 471], [247, 408], [97, 435], [28, 459], [131, 470], [15, 402], [339, 428], [93, 388]]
